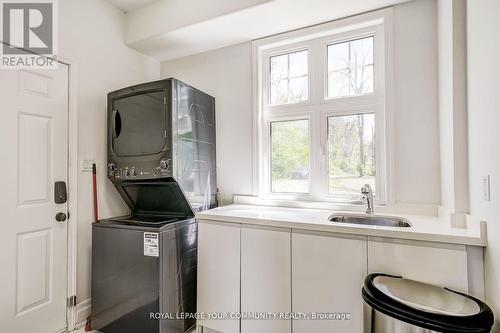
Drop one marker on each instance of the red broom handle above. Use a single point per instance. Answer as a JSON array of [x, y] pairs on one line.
[[94, 185]]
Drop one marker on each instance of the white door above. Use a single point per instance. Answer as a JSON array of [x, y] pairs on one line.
[[218, 274], [265, 278], [34, 155], [328, 271]]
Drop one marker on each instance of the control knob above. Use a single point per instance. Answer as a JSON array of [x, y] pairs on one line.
[[163, 165], [111, 168]]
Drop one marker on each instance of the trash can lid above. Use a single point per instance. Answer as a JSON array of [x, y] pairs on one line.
[[425, 305]]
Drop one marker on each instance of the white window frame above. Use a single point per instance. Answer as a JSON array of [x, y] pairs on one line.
[[318, 107], [268, 80]]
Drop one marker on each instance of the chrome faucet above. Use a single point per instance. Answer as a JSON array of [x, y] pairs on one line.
[[367, 194]]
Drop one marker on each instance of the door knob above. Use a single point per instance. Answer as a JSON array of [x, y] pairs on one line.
[[60, 217]]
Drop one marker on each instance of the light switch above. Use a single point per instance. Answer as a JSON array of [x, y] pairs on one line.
[[486, 188], [86, 164]]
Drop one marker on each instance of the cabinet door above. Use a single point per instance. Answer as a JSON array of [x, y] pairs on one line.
[[434, 263], [219, 273], [327, 277], [265, 277]]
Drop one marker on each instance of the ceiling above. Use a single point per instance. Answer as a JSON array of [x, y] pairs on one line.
[[130, 5], [169, 29]]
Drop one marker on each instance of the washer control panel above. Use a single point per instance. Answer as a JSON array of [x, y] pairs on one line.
[[150, 170]]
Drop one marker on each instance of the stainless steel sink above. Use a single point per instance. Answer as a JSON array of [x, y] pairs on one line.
[[384, 221]]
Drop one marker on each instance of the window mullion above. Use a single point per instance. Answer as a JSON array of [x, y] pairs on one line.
[[288, 77], [316, 75], [316, 157]]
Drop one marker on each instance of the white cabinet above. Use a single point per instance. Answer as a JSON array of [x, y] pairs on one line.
[[327, 276], [434, 263], [258, 269], [265, 277], [219, 273]]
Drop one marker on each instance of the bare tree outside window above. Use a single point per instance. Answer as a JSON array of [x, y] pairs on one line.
[[350, 68], [351, 139], [289, 78]]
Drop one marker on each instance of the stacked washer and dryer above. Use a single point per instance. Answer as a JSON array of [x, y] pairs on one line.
[[161, 159]]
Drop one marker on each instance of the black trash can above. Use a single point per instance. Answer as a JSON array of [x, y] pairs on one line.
[[398, 305]]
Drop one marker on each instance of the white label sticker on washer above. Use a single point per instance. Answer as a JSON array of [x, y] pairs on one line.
[[151, 244]]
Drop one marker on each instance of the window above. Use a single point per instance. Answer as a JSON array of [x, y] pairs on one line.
[[289, 80], [350, 68], [321, 111], [351, 153], [290, 156]]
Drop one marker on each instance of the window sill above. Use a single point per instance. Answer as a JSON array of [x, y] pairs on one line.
[[407, 208]]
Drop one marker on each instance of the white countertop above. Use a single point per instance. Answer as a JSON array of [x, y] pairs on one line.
[[424, 228]]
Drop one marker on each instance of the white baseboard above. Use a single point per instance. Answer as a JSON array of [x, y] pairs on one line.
[[82, 313]]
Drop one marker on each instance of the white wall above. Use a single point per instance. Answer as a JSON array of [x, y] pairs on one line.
[[483, 17], [453, 109], [416, 103], [445, 50], [91, 33], [226, 74]]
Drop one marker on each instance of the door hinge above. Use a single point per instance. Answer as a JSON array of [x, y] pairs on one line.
[[165, 100], [72, 301]]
